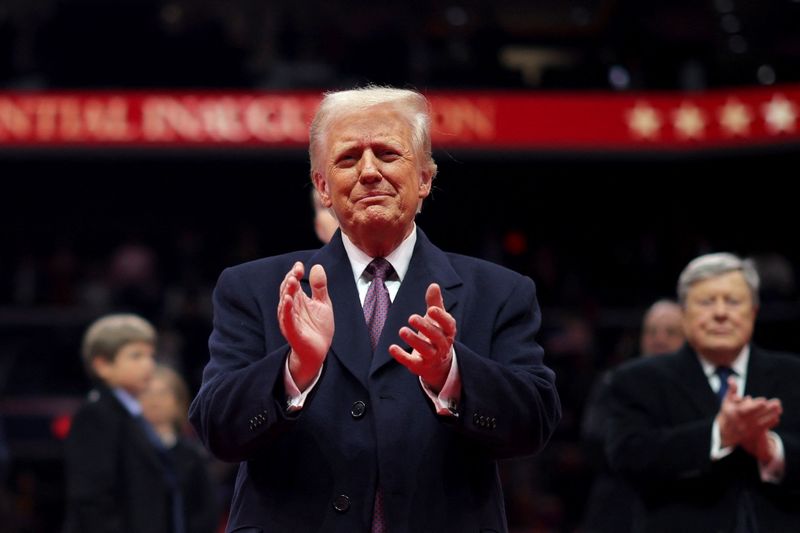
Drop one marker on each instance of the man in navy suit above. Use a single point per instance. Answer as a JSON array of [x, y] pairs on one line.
[[377, 392], [710, 435]]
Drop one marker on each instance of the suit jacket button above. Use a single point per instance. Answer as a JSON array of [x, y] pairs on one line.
[[341, 503], [358, 409]]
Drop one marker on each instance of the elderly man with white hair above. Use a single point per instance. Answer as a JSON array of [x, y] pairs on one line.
[[710, 435], [373, 384]]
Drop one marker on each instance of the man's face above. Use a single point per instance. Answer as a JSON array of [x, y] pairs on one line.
[[372, 176], [662, 331], [719, 316]]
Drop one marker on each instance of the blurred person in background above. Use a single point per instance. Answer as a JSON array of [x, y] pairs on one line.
[[662, 329], [165, 404], [709, 436], [340, 423], [119, 478], [325, 223], [612, 503]]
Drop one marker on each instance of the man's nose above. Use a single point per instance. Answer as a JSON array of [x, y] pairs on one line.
[[720, 308], [368, 171]]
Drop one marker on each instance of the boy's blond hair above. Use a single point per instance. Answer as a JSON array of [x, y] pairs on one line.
[[108, 334]]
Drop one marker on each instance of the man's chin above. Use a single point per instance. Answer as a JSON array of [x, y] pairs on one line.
[[721, 352], [379, 217], [378, 221]]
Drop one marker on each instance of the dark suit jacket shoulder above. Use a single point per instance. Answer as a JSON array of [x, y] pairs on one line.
[[367, 420]]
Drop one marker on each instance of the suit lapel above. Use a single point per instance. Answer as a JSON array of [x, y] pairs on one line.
[[139, 439], [428, 265], [760, 375], [351, 343], [144, 443], [350, 339], [694, 382]]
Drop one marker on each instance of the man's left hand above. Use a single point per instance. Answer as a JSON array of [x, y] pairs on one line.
[[761, 446], [431, 343]]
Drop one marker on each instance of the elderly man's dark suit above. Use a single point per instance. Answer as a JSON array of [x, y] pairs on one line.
[[660, 437], [367, 417]]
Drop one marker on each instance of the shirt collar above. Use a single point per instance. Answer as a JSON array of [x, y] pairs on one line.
[[128, 401], [400, 258], [739, 364]]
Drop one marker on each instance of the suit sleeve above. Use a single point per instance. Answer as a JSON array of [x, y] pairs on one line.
[[240, 405], [509, 402], [642, 442], [791, 453], [91, 466], [789, 428]]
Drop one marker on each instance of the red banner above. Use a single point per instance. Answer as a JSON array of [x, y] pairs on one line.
[[474, 120]]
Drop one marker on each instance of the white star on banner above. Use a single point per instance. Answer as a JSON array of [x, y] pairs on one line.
[[735, 117], [779, 114], [689, 121], [643, 121]]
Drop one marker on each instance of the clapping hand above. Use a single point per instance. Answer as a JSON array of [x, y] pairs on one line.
[[306, 323], [431, 343], [745, 421]]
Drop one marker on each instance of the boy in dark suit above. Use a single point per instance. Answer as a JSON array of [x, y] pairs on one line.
[[117, 477]]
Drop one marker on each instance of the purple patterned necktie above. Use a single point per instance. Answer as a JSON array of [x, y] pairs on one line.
[[377, 302], [376, 307]]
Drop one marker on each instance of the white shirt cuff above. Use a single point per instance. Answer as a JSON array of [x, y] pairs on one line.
[[717, 452], [446, 402], [772, 472], [294, 398]]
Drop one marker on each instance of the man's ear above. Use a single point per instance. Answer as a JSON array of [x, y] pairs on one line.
[[425, 181], [101, 366], [321, 184]]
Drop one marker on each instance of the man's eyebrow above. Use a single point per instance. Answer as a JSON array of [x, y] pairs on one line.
[[343, 146], [347, 144]]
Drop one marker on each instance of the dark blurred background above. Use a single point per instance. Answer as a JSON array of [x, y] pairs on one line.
[[88, 231], [510, 44]]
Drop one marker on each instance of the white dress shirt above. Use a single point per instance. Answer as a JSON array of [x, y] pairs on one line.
[[400, 258], [772, 471]]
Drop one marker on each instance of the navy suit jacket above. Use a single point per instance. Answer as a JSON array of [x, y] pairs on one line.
[[662, 411], [317, 470]]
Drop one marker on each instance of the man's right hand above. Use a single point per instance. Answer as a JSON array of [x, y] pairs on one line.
[[306, 323], [746, 420]]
